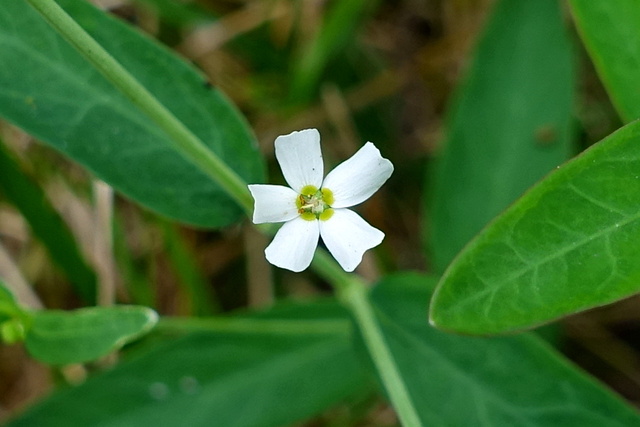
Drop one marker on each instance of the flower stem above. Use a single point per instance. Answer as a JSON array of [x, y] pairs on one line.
[[354, 294], [191, 147], [350, 288]]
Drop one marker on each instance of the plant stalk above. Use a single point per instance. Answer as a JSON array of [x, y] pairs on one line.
[[353, 292], [191, 147]]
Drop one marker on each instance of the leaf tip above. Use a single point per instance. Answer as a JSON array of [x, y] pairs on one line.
[[151, 320], [432, 321], [434, 315]]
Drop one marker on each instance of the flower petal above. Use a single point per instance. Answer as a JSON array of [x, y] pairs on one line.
[[357, 178], [300, 158], [348, 236], [273, 203], [294, 245]]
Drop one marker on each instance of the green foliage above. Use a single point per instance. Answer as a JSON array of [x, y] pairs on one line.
[[341, 23], [565, 246], [178, 13], [302, 354], [14, 320], [62, 337], [270, 371], [185, 267], [135, 277], [61, 99], [509, 125], [9, 307], [13, 331], [610, 33], [568, 244], [461, 381], [46, 223]]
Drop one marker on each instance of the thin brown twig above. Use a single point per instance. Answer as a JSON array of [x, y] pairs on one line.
[[203, 40], [103, 242], [259, 279]]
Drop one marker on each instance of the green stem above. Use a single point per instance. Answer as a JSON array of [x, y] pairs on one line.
[[353, 292], [356, 297], [350, 288], [324, 265], [191, 147]]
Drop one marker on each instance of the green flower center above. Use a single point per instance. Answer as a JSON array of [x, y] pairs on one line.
[[315, 204]]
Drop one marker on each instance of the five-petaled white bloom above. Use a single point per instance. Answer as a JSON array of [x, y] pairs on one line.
[[314, 207]]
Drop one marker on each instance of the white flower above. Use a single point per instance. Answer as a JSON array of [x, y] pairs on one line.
[[314, 207]]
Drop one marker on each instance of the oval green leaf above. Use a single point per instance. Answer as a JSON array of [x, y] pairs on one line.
[[504, 381], [64, 337], [53, 93], [569, 244], [509, 124], [609, 30], [275, 370]]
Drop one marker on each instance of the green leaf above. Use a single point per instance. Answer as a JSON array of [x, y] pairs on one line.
[[568, 244], [46, 224], [609, 30], [510, 122], [269, 371], [64, 337], [54, 94], [507, 381]]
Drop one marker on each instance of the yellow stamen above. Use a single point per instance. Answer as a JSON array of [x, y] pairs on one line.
[[314, 204], [308, 190], [326, 214], [327, 196], [308, 216]]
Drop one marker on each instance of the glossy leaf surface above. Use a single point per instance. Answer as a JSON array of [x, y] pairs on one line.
[[282, 367], [64, 337], [507, 381], [609, 30], [509, 124], [53, 93], [568, 244]]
